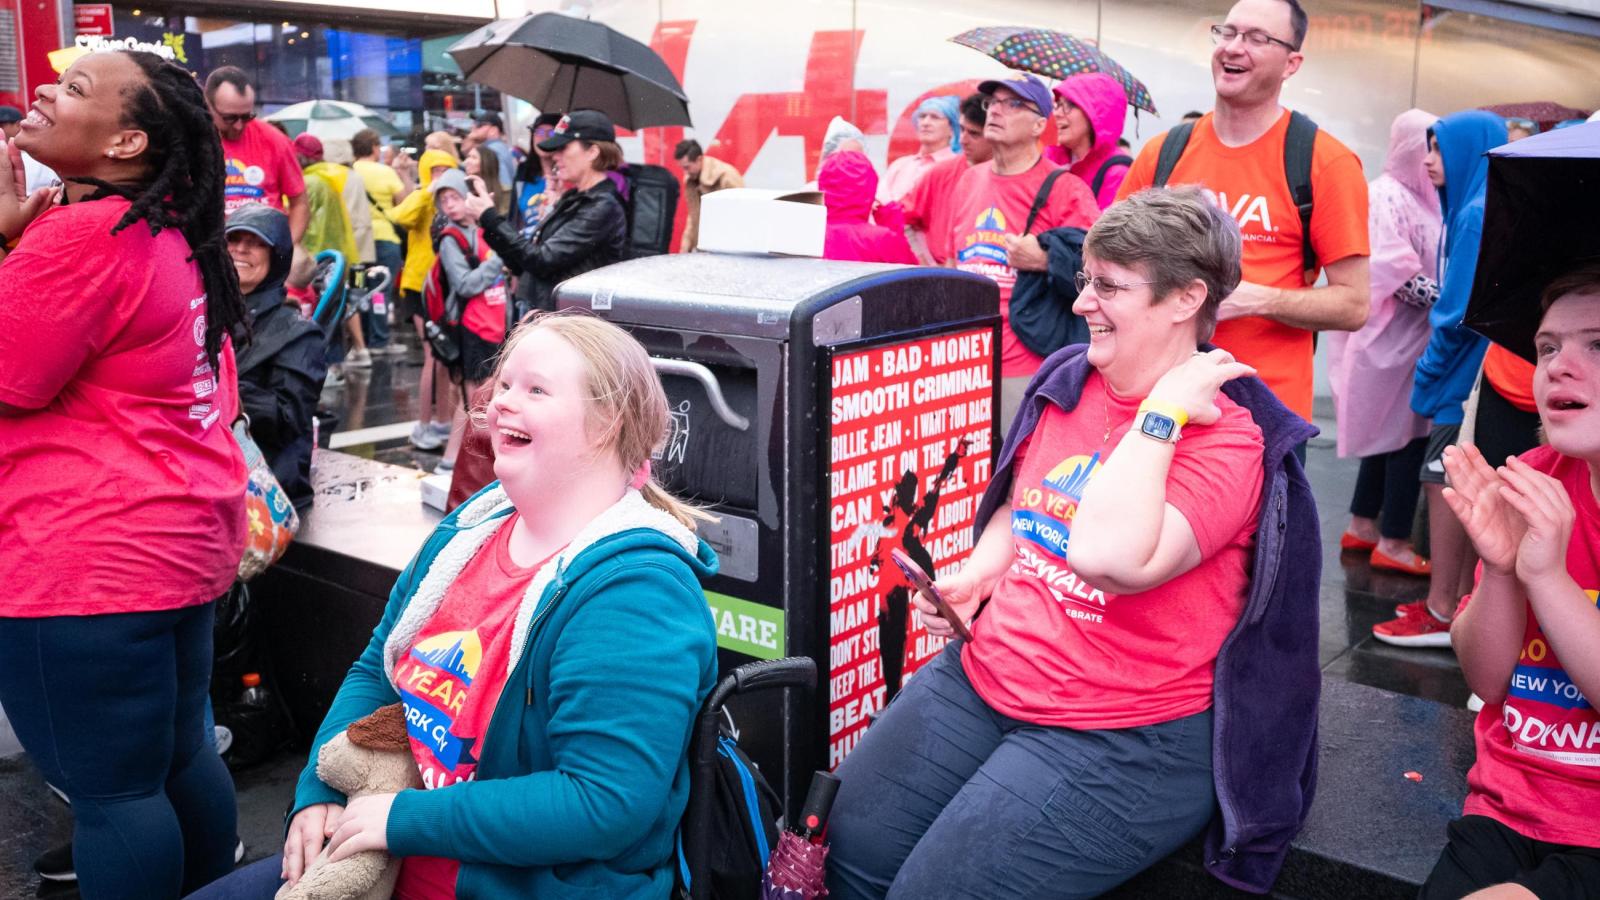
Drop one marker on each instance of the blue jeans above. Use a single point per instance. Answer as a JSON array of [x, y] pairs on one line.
[[944, 797], [110, 708], [256, 881]]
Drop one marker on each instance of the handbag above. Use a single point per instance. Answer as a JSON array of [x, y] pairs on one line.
[[272, 520], [1041, 302]]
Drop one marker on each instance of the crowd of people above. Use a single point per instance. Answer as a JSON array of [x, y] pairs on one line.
[[1119, 687]]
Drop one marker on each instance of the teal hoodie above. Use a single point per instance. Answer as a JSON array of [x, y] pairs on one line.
[[1449, 364], [583, 771]]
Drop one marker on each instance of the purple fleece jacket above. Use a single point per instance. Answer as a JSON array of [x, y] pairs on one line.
[[1268, 682]]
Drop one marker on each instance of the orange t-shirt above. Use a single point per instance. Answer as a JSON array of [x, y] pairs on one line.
[[1249, 183], [1511, 376]]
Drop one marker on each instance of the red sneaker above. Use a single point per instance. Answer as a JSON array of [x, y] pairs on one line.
[[1414, 631], [1414, 608]]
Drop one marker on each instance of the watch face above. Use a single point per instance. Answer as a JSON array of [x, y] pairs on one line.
[[1158, 426]]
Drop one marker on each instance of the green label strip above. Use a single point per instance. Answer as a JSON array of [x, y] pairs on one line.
[[753, 629]]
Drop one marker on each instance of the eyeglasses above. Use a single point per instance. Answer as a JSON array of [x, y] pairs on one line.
[[1011, 103], [1104, 288], [236, 118], [1222, 34]]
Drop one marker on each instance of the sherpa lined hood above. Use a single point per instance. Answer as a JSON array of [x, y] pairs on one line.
[[629, 522]]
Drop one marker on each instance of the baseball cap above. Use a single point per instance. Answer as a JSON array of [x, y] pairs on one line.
[[550, 119], [1028, 88], [489, 118], [308, 145], [580, 125], [10, 115]]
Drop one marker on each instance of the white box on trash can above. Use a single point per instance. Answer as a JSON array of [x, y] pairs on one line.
[[750, 220], [435, 490]]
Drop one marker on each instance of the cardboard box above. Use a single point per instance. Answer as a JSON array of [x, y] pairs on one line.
[[749, 220], [435, 490]]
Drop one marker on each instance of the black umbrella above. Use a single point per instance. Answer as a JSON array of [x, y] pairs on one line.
[[1541, 219], [559, 63]]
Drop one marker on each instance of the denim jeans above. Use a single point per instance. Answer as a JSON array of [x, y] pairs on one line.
[[944, 797], [110, 708], [374, 326]]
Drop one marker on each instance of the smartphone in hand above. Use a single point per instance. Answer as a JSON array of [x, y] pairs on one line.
[[920, 580]]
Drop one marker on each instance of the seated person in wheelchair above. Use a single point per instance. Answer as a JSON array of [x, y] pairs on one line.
[[1068, 745], [551, 645], [282, 368]]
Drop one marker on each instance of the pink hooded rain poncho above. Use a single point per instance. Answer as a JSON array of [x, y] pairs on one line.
[[848, 184], [1371, 370], [1105, 102]]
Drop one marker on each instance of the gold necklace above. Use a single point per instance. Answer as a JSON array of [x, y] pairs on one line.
[[1105, 408]]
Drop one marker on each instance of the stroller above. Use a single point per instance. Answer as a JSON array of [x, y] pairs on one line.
[[343, 292]]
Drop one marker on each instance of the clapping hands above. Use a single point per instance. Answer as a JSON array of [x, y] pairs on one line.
[[1519, 519]]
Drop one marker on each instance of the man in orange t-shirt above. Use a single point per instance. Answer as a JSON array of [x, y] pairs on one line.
[[1236, 153]]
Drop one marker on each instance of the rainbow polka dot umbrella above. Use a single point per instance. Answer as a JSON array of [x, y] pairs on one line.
[[1054, 54]]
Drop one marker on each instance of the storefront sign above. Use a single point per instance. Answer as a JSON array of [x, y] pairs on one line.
[[171, 46], [910, 447], [93, 19]]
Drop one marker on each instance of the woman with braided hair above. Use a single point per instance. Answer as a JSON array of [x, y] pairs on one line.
[[121, 490]]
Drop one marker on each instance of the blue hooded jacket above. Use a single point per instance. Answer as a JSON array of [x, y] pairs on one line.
[[583, 770], [1449, 364]]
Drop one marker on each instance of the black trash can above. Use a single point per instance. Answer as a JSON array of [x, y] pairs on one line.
[[825, 412]]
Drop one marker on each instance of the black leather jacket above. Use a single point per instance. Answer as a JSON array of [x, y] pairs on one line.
[[586, 230]]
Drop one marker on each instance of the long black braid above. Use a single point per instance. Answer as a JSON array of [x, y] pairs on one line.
[[185, 185]]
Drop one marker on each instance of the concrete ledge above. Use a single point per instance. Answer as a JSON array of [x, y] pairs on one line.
[[318, 605], [1372, 833]]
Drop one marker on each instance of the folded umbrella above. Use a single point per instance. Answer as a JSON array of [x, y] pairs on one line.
[[1053, 54], [560, 63], [1541, 219]]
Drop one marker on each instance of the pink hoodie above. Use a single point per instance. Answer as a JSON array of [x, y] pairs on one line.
[[1106, 103], [849, 184]]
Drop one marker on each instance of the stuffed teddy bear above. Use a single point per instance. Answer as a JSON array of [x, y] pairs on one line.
[[372, 756]]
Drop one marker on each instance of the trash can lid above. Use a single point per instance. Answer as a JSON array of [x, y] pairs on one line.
[[725, 293]]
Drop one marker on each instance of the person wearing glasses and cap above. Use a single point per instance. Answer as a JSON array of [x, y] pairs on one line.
[[261, 165], [1237, 152], [991, 211]]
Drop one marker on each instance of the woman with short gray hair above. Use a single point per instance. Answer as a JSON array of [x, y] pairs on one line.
[[1068, 744]]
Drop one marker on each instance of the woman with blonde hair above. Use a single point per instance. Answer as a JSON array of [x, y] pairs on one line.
[[559, 611], [444, 142]]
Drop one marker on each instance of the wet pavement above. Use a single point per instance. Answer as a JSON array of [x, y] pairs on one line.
[[372, 412]]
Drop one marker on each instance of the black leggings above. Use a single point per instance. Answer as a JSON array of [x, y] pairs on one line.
[[111, 709], [1386, 489]]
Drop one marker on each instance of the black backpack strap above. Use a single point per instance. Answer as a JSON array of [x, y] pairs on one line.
[[1172, 147], [1297, 147], [1041, 198], [1100, 176]]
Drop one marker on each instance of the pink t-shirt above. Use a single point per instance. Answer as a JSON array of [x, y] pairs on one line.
[[987, 208], [450, 680], [1053, 649], [903, 174], [1538, 767], [928, 205], [121, 490], [260, 168]]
